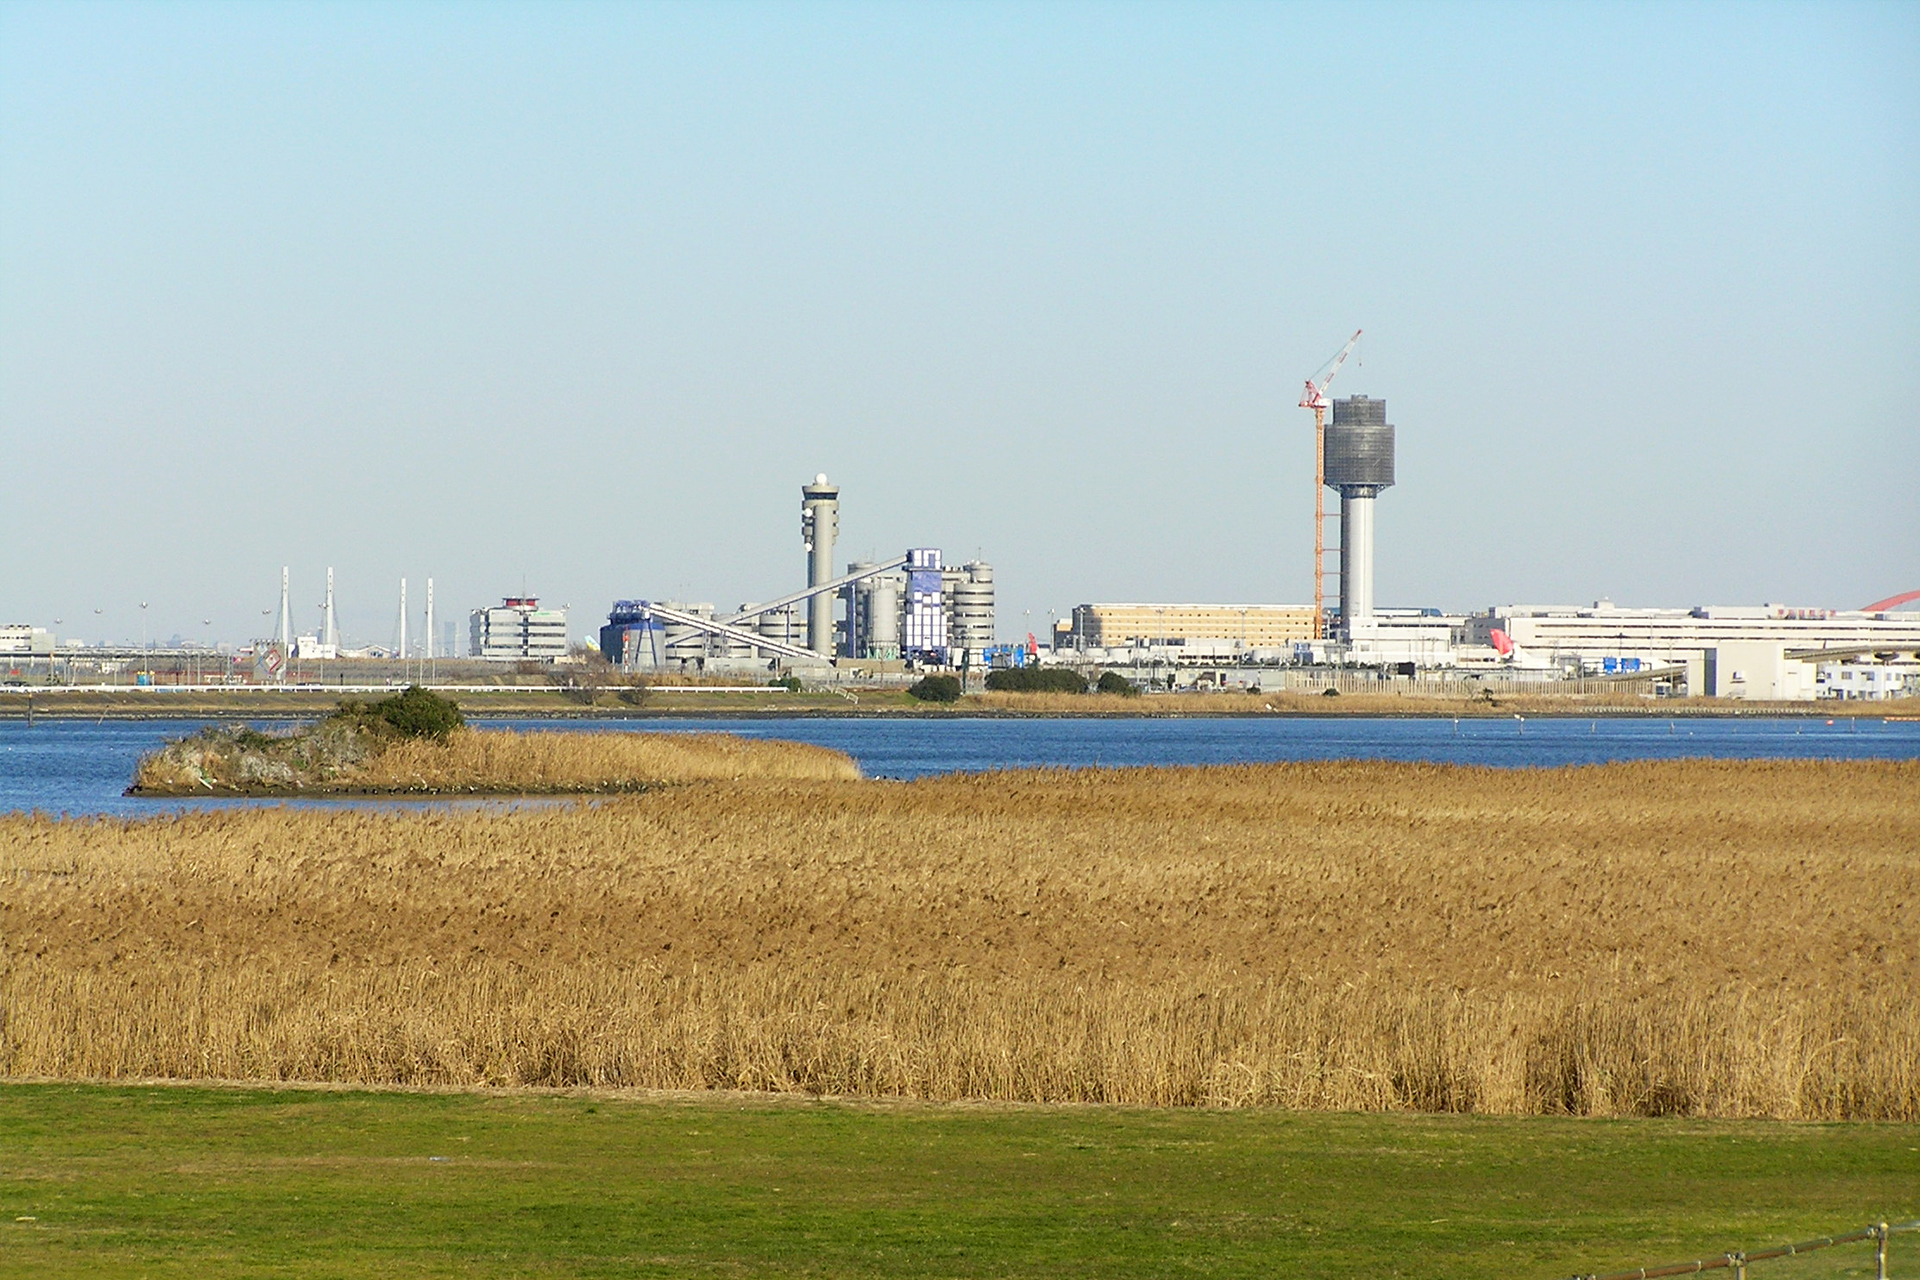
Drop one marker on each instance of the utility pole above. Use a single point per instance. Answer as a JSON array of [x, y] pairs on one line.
[[331, 637]]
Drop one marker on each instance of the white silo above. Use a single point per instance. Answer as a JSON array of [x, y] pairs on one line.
[[780, 624], [858, 624], [883, 616]]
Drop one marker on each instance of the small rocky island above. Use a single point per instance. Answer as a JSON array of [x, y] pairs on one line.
[[418, 743]]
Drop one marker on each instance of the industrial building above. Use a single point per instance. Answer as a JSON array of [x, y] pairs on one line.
[[968, 595], [875, 611], [1211, 634], [919, 610], [913, 608], [923, 619], [518, 630]]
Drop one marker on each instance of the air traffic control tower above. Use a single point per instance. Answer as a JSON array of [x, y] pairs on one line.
[[819, 525], [1359, 465]]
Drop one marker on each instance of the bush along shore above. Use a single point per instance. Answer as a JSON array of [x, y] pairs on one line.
[[417, 743]]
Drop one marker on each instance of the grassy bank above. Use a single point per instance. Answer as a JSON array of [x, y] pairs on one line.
[[1693, 938], [190, 1182]]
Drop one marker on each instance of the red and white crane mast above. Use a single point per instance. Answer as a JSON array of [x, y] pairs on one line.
[[1315, 398]]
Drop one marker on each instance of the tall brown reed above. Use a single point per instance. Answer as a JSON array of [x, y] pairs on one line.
[[497, 760], [1372, 1046]]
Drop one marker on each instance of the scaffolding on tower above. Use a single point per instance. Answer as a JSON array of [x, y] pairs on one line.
[[1315, 398]]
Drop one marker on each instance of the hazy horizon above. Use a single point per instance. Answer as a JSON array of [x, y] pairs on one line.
[[572, 299]]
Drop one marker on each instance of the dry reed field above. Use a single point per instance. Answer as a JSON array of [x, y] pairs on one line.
[[500, 761], [1694, 937]]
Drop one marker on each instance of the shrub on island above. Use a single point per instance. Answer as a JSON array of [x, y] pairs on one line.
[[414, 713], [936, 689]]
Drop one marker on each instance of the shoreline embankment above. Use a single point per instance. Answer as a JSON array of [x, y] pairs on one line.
[[757, 704]]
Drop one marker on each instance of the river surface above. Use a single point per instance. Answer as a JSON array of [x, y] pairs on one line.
[[81, 767]]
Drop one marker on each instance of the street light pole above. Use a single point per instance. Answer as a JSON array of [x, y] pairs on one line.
[[146, 659]]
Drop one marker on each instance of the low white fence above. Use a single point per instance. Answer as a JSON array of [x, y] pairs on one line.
[[1876, 1235]]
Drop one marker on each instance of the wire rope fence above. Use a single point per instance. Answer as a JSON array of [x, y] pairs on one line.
[[1875, 1237]]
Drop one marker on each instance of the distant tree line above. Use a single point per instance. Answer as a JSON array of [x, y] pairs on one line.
[[1056, 680], [1036, 680]]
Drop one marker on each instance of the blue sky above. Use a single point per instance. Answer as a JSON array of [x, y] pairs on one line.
[[572, 298]]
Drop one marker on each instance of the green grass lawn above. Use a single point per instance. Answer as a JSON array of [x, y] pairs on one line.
[[175, 1181]]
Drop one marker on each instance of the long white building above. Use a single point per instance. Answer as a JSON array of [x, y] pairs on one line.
[[1768, 651]]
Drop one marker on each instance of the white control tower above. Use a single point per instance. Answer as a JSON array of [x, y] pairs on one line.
[[819, 525], [1359, 465]]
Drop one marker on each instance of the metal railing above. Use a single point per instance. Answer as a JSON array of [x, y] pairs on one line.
[[1737, 1260]]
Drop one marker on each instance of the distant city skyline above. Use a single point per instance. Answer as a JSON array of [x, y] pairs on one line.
[[572, 300]]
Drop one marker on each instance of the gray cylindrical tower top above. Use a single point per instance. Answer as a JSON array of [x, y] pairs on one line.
[[1359, 447], [819, 526]]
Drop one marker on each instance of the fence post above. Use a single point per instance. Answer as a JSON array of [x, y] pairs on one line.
[[1880, 1234], [1739, 1261]]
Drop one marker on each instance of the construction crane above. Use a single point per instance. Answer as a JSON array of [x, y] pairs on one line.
[[1315, 398]]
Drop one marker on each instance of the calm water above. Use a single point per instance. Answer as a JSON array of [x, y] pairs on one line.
[[64, 766]]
